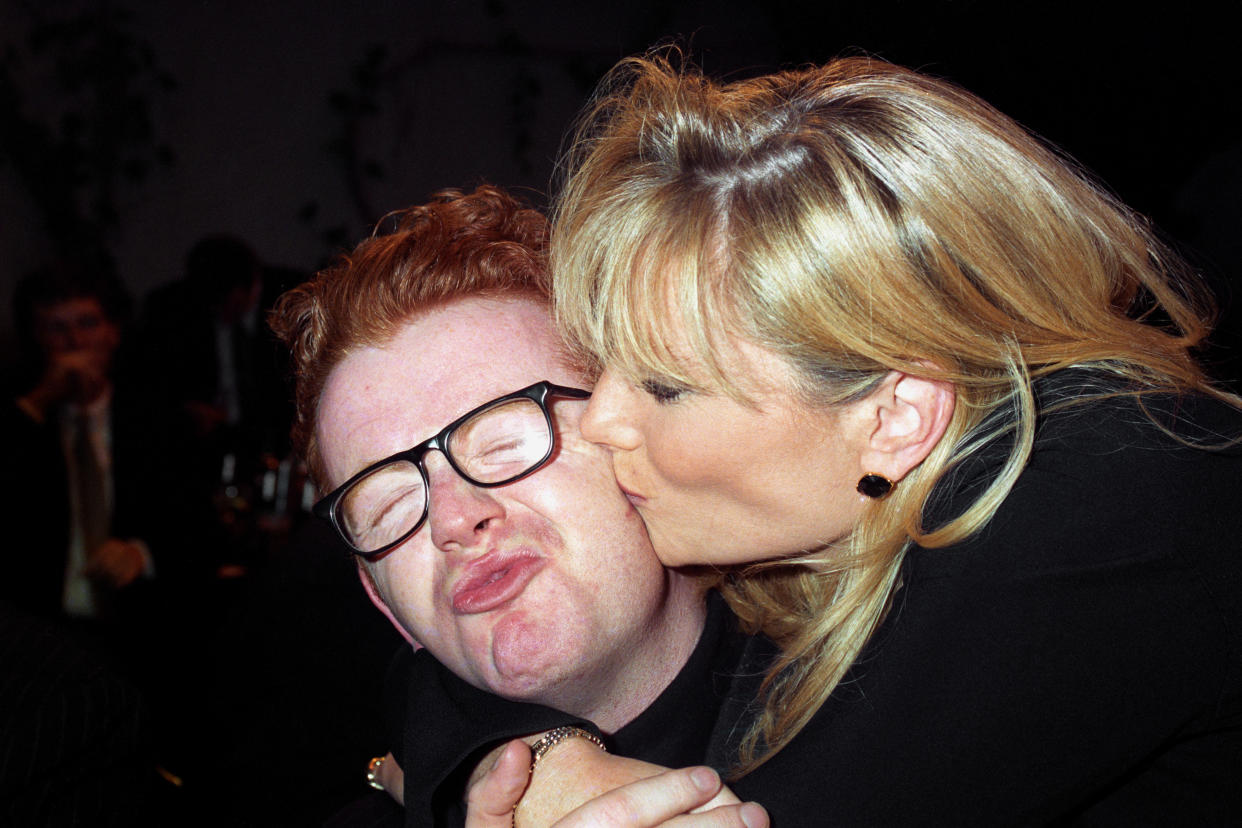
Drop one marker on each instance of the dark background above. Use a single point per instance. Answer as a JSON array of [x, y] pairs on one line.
[[142, 125], [138, 127]]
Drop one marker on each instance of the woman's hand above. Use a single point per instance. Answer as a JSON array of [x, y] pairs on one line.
[[577, 784], [686, 798]]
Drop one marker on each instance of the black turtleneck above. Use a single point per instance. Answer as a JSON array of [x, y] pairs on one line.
[[449, 724]]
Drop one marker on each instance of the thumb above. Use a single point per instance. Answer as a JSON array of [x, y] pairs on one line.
[[491, 800]]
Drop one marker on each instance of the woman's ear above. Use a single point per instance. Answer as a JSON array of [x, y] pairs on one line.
[[911, 414]]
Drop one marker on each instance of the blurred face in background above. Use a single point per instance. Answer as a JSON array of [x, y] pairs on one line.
[[78, 337]]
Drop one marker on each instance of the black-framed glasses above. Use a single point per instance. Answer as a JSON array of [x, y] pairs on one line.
[[497, 443]]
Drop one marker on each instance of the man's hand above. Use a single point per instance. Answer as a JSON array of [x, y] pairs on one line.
[[73, 376], [116, 563], [495, 791], [392, 778]]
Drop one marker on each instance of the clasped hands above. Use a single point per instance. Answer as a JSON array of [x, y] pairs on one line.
[[577, 784]]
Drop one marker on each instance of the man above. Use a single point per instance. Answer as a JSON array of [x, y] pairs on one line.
[[105, 537], [75, 502], [500, 541], [206, 334]]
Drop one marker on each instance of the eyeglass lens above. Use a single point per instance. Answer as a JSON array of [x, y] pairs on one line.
[[496, 445]]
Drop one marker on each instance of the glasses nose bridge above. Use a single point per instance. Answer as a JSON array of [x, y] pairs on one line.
[[439, 443], [457, 509]]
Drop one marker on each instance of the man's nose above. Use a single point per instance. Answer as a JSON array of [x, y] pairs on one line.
[[606, 420], [459, 513]]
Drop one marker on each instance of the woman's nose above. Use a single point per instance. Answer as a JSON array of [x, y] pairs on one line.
[[610, 419]]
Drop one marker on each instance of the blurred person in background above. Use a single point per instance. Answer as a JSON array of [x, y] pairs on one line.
[[78, 467]]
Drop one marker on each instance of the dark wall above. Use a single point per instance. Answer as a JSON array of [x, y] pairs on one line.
[[296, 124]]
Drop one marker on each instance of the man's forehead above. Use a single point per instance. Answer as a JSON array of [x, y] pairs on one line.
[[72, 309], [438, 366], [474, 350]]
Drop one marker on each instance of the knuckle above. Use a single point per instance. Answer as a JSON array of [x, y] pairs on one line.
[[622, 809]]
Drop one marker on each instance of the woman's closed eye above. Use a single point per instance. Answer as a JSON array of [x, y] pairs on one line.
[[663, 391]]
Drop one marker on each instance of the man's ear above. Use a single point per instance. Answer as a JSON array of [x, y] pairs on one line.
[[910, 415], [368, 584]]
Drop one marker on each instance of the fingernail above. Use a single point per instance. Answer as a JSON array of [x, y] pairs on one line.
[[704, 779], [753, 815], [499, 756]]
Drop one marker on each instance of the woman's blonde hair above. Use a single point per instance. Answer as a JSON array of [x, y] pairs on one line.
[[857, 218]]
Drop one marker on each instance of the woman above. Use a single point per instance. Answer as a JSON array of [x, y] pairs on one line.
[[856, 324]]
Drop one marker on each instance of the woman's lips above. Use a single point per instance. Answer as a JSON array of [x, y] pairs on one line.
[[634, 498], [619, 474], [493, 581]]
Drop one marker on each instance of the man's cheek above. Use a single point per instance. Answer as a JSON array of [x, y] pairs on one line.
[[573, 487], [465, 648], [412, 615], [383, 604]]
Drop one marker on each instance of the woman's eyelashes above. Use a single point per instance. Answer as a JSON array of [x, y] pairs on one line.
[[663, 391]]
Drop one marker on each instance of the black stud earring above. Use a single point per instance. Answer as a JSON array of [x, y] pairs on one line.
[[875, 486]]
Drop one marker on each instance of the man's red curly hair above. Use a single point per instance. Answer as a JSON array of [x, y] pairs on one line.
[[483, 243]]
